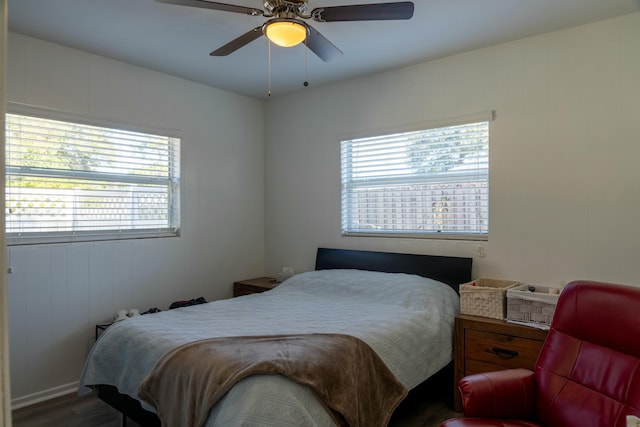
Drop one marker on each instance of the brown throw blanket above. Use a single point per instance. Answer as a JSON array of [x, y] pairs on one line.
[[186, 383]]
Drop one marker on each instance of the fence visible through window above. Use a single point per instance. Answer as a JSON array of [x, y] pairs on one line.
[[435, 208], [64, 209]]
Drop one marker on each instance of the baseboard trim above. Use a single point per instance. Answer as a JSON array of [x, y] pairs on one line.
[[41, 396]]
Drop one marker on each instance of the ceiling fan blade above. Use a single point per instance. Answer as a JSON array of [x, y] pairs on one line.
[[215, 5], [239, 42], [364, 12], [321, 46]]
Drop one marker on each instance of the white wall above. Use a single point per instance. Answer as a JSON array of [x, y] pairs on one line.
[[564, 183], [57, 293]]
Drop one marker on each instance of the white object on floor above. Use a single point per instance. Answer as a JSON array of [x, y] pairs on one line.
[[633, 421]]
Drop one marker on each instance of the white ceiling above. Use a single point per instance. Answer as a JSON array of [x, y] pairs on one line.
[[177, 40]]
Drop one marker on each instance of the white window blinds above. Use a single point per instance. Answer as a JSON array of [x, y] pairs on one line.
[[426, 183], [68, 181]]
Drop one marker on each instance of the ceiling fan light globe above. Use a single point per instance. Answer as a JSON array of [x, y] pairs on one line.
[[286, 33]]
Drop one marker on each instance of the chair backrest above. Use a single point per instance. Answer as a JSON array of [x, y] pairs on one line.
[[588, 371]]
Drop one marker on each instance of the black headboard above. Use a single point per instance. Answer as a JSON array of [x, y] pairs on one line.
[[450, 270]]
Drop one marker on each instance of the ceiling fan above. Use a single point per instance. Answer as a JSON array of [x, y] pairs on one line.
[[286, 26]]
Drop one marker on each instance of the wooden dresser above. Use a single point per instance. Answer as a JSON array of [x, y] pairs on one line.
[[483, 345]]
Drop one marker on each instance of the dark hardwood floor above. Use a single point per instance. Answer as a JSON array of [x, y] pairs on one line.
[[418, 410], [70, 411]]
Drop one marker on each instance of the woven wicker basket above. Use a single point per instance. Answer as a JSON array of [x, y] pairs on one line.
[[485, 297], [531, 308]]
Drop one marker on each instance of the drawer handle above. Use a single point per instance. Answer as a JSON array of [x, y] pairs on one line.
[[503, 353]]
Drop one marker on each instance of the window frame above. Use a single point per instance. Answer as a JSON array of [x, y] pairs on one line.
[[71, 236], [486, 116]]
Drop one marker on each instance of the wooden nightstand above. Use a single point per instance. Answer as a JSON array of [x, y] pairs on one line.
[[483, 345], [253, 286]]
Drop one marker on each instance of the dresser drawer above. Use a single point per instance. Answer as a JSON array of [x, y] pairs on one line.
[[475, 367], [500, 350], [485, 345]]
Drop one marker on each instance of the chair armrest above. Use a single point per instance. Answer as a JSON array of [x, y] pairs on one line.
[[501, 394]]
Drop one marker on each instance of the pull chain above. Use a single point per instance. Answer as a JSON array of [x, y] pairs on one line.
[[306, 82], [269, 62]]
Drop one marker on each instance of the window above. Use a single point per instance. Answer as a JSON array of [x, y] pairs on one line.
[[427, 183], [71, 181]]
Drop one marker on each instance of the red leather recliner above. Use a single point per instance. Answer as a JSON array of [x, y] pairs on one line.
[[587, 373]]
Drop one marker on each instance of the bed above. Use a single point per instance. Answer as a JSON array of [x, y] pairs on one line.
[[350, 294]]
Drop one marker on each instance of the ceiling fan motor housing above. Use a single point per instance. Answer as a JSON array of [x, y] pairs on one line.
[[292, 8]]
